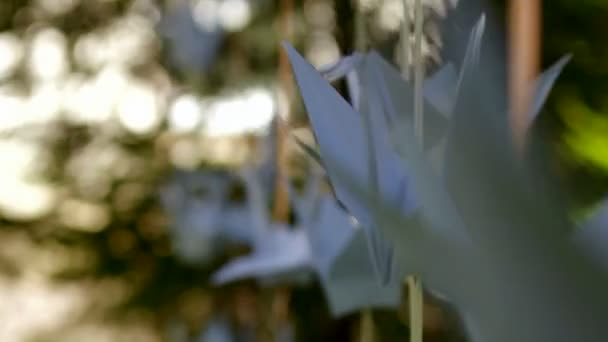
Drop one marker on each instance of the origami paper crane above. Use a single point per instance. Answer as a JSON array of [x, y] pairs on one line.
[[371, 157], [340, 254], [351, 145], [395, 103], [325, 242], [481, 215], [370, 122], [193, 47], [279, 254], [519, 250], [203, 221]]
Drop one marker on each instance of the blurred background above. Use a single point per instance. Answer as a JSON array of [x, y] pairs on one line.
[[101, 101]]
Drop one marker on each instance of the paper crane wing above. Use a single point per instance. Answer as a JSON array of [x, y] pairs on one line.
[[339, 130], [341, 68], [592, 236], [282, 257], [440, 89], [398, 97], [544, 84], [346, 271]]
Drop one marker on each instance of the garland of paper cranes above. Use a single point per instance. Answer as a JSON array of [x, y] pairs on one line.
[[431, 188]]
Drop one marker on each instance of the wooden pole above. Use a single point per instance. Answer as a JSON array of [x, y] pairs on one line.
[[524, 61], [280, 305], [281, 197]]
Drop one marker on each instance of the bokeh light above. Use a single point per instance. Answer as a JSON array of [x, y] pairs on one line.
[[100, 100]]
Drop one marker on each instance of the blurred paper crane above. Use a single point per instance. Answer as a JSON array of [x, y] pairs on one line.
[[473, 224], [325, 241], [362, 140], [384, 172], [340, 254], [279, 254], [332, 111], [217, 330], [204, 219], [193, 46], [394, 103]]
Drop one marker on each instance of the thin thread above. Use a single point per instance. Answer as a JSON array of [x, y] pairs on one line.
[[414, 284], [367, 326], [418, 73], [405, 42], [416, 302], [360, 28]]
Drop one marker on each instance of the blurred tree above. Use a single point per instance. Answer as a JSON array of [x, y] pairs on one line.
[[96, 108]]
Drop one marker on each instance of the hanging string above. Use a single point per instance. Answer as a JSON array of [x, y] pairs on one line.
[[405, 42], [360, 27], [414, 285], [366, 326], [416, 302], [418, 73]]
